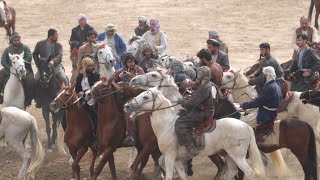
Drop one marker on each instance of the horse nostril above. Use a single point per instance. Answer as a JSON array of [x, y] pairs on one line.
[[127, 106]]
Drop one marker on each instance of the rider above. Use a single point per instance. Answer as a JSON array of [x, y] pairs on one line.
[[214, 34], [198, 109], [3, 14], [178, 71], [143, 26], [149, 61], [111, 38], [217, 55], [49, 52], [84, 82], [267, 102], [266, 59], [78, 38], [156, 38], [305, 67], [28, 83], [86, 49]]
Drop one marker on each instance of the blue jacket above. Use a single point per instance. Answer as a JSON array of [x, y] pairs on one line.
[[120, 46], [269, 98]]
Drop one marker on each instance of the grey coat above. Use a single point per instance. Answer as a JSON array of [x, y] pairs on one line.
[[39, 53], [223, 60]]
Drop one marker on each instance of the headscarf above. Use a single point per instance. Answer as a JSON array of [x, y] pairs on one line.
[[213, 32], [80, 16], [85, 63], [177, 66], [142, 18], [14, 36], [204, 73], [111, 27], [125, 57], [155, 23], [270, 73]]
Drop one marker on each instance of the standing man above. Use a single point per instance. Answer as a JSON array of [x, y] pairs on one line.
[[114, 41], [156, 38], [49, 51], [217, 55], [214, 34], [78, 38], [305, 68], [306, 29], [143, 26], [17, 47], [266, 59]]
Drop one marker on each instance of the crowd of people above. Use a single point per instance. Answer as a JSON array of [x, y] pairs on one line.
[[214, 60]]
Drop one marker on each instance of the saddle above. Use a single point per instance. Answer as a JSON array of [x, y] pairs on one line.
[[198, 132], [262, 131], [284, 103]]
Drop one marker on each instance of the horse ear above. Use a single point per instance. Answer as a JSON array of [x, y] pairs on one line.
[[11, 56], [22, 54]]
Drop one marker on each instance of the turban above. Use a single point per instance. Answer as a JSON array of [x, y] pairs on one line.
[[155, 23], [14, 36], [265, 45], [142, 18], [270, 73], [86, 61], [81, 16], [110, 27], [213, 32], [213, 42]]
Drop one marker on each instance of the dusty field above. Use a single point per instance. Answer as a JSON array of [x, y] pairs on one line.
[[243, 25]]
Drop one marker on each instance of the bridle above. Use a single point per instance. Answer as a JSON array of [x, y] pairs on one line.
[[65, 103], [16, 71], [100, 94], [106, 59], [160, 80], [235, 86]]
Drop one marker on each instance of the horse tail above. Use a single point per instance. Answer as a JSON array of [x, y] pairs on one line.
[[60, 140], [278, 161], [37, 150], [312, 154], [310, 10], [255, 156]]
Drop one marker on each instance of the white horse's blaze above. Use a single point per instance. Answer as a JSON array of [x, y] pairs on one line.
[[106, 61]]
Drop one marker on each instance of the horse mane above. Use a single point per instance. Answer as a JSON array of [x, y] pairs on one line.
[[225, 101]]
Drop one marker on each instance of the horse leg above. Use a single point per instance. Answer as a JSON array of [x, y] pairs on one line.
[[142, 155], [142, 165], [94, 157], [25, 154], [155, 156], [45, 114], [217, 160], [169, 163], [180, 169], [54, 128], [107, 156], [232, 169], [316, 19], [75, 165]]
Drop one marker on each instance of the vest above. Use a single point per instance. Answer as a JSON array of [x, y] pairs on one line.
[[157, 38], [310, 32]]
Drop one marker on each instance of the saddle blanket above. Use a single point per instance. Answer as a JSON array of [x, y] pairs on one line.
[[273, 138], [284, 103], [198, 132]]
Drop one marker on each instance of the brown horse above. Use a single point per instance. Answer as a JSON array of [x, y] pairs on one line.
[[316, 4], [252, 69], [10, 27], [78, 133], [296, 135]]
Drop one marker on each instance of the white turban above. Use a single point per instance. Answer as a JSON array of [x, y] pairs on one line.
[[110, 27], [143, 19], [270, 73], [80, 16], [213, 32]]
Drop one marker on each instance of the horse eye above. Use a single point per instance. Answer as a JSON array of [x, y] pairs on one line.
[[162, 59], [145, 97], [229, 76], [100, 52], [154, 75]]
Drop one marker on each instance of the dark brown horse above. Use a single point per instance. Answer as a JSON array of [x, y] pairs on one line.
[[78, 134], [296, 135], [10, 27], [311, 97], [316, 4], [252, 69]]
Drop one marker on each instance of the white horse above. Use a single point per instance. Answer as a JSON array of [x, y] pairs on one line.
[[106, 61], [15, 126], [13, 91], [231, 135], [166, 61], [135, 47], [237, 82]]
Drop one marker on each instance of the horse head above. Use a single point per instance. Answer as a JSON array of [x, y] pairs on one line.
[[18, 67], [105, 56], [311, 97], [65, 98], [166, 61], [150, 79], [135, 47], [229, 79], [46, 74]]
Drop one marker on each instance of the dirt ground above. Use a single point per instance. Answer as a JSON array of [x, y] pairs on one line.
[[243, 25]]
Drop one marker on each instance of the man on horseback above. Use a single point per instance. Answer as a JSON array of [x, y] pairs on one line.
[[198, 109], [88, 48], [266, 59], [180, 74], [214, 34], [305, 68], [156, 38], [3, 12], [143, 26], [28, 83], [267, 102], [78, 38], [149, 61], [217, 55], [48, 52]]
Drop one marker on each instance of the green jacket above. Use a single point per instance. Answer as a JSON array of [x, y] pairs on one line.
[[5, 59]]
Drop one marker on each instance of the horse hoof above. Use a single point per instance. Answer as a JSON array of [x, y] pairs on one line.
[[49, 150]]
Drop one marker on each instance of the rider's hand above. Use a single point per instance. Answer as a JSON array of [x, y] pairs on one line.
[[51, 62], [306, 74]]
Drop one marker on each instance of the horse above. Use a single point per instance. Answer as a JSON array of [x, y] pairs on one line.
[[106, 61], [48, 89], [316, 4], [78, 134], [13, 91], [252, 69], [152, 101], [242, 92], [10, 27], [136, 44], [310, 97], [15, 125]]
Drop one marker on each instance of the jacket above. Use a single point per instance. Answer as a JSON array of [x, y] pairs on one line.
[[5, 59], [92, 78], [39, 53], [79, 36], [223, 60], [120, 45]]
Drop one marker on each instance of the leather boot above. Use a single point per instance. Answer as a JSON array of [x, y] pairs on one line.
[[130, 139]]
